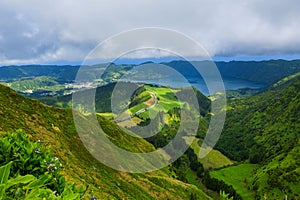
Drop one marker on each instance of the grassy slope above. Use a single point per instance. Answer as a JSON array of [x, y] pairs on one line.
[[167, 100], [55, 126], [214, 159], [236, 176], [166, 96], [266, 128]]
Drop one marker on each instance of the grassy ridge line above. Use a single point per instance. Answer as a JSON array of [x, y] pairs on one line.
[[285, 81], [55, 127]]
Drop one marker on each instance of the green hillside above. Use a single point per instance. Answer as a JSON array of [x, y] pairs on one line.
[[213, 160], [55, 128], [284, 82], [41, 83], [265, 130], [257, 156], [166, 96], [237, 177]]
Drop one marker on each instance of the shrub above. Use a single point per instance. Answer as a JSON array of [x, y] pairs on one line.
[[29, 167]]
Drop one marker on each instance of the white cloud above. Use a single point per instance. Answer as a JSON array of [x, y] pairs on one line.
[[46, 31]]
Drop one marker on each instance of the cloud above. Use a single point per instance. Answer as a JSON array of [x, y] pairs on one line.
[[49, 31]]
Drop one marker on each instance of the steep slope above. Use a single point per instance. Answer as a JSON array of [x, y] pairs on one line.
[[247, 70], [256, 70], [55, 128], [282, 83], [266, 129]]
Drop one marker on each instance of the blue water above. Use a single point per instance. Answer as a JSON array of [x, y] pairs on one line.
[[229, 84]]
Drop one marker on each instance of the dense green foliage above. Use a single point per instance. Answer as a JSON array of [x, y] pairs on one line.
[[188, 163], [43, 83], [114, 72], [31, 171], [286, 81], [266, 72], [220, 185], [236, 176], [65, 73], [265, 129]]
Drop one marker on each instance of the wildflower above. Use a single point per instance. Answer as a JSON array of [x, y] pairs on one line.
[[55, 159], [52, 167], [55, 193], [37, 151], [95, 169]]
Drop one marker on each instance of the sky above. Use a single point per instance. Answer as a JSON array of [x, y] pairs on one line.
[[53, 31]]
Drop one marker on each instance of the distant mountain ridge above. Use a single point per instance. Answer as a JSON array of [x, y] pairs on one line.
[[266, 72]]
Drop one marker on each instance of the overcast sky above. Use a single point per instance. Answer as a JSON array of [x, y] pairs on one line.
[[55, 30]]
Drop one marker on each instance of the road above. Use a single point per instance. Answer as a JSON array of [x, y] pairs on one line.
[[148, 107], [153, 95]]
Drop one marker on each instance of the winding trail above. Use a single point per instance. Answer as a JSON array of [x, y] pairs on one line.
[[155, 101]]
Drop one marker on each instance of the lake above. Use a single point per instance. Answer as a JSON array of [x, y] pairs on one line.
[[229, 83]]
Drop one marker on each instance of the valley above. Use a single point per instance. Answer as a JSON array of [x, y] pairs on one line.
[[256, 157], [149, 100]]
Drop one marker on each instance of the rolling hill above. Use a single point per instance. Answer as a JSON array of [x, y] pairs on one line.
[[55, 128]]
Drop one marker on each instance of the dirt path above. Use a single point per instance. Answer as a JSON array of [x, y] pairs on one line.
[[150, 104]]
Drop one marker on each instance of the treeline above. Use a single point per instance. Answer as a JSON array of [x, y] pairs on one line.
[[256, 70], [247, 70], [262, 126], [189, 160], [39, 83], [219, 185], [264, 129]]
